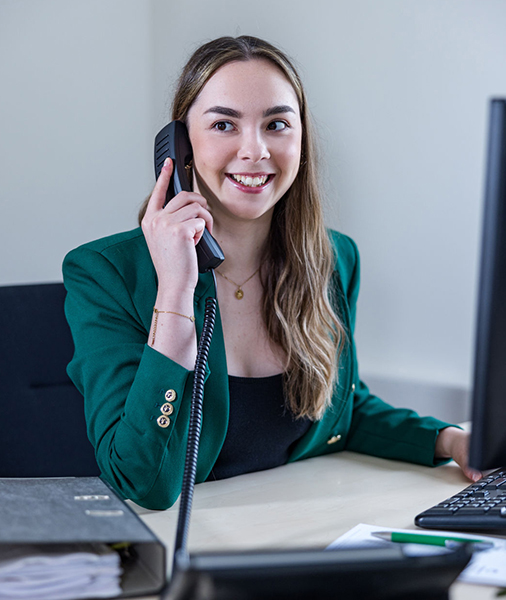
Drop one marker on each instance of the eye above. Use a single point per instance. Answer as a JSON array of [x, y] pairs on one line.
[[277, 126], [223, 126]]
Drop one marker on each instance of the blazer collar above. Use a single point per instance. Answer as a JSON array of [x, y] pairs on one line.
[[205, 287]]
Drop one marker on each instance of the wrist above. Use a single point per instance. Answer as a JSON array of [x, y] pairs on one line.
[[445, 441], [180, 300]]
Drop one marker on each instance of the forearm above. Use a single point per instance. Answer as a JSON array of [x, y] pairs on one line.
[[382, 430], [139, 448], [172, 331], [124, 382]]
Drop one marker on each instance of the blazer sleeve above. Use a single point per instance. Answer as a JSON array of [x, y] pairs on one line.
[[125, 383], [376, 427]]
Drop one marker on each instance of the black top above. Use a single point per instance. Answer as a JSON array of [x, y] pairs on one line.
[[261, 430]]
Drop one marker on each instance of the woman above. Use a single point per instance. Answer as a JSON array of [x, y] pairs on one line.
[[282, 381]]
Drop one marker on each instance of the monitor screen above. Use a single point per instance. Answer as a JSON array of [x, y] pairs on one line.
[[488, 438]]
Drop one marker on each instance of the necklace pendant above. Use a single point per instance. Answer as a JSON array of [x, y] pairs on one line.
[[239, 293]]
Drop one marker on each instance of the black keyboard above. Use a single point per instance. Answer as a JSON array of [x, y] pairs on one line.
[[480, 506]]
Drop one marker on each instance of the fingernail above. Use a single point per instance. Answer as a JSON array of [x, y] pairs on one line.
[[166, 162]]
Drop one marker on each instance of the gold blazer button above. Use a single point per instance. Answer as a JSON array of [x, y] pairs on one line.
[[167, 408], [163, 421], [170, 395], [334, 439]]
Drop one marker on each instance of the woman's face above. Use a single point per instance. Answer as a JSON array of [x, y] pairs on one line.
[[246, 132]]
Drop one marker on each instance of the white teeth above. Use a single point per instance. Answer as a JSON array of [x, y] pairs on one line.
[[250, 181]]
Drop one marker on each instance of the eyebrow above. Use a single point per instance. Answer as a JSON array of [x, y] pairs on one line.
[[230, 112], [276, 110], [223, 110]]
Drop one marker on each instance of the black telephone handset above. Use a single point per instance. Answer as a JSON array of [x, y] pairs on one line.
[[173, 141]]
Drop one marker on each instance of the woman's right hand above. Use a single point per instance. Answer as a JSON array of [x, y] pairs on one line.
[[172, 233]]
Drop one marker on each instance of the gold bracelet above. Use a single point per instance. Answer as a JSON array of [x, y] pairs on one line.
[[170, 312]]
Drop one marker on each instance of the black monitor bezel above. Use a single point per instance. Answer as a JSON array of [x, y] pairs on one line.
[[488, 438]]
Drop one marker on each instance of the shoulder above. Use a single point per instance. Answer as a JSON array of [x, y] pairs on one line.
[[113, 244], [346, 277], [345, 248], [347, 259], [121, 249], [114, 273], [118, 265]]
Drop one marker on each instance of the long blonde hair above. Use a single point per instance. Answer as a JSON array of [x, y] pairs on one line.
[[299, 260]]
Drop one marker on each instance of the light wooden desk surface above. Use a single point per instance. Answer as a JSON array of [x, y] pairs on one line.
[[311, 503]]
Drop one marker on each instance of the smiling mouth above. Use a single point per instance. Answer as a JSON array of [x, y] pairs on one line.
[[254, 181]]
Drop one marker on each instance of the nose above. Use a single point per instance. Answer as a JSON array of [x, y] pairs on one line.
[[253, 146]]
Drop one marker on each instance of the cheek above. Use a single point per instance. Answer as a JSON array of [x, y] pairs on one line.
[[291, 164], [200, 146], [210, 157], [205, 162], [291, 160], [290, 153]]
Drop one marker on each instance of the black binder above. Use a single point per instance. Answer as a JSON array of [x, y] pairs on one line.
[[77, 510]]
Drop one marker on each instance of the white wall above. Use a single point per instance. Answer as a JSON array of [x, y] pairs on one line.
[[75, 127], [399, 90]]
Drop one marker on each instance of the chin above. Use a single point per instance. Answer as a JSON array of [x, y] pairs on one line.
[[250, 210]]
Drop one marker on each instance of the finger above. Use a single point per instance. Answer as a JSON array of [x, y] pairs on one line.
[[191, 211], [185, 198], [191, 230], [159, 193], [472, 474], [200, 225]]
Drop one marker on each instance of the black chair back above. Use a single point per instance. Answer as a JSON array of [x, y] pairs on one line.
[[42, 426]]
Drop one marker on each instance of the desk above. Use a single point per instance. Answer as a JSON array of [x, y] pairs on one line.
[[310, 503]]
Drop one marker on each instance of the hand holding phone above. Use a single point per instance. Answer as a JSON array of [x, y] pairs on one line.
[[173, 141], [172, 232]]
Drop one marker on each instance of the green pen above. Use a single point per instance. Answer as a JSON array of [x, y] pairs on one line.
[[432, 540]]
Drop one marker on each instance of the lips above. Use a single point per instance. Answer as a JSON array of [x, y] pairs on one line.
[[250, 182]]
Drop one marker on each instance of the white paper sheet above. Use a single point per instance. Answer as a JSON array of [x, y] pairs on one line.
[[59, 572], [487, 567]]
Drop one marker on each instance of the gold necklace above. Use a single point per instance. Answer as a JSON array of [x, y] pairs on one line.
[[239, 294]]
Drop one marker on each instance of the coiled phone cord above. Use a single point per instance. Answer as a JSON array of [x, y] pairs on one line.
[[181, 557]]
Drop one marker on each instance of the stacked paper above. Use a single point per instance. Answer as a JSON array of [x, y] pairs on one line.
[[59, 572]]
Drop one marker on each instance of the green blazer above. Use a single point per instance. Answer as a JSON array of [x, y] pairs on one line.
[[111, 288]]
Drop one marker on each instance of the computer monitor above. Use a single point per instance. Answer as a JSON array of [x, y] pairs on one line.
[[488, 438]]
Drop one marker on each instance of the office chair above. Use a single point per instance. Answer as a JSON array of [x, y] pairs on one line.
[[42, 426]]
